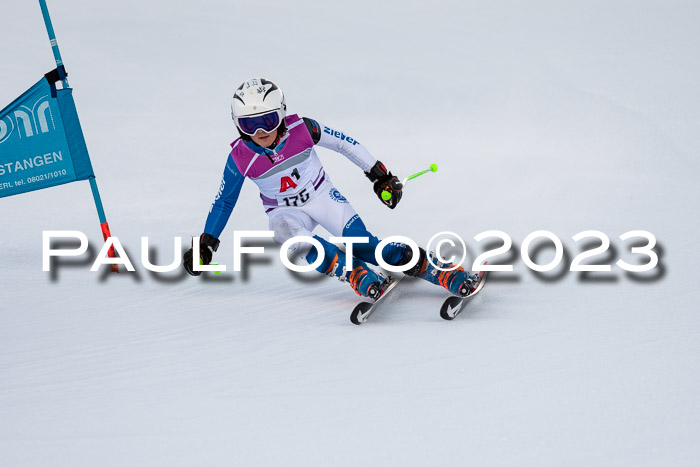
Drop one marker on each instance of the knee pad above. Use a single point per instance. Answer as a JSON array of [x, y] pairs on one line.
[[420, 266], [286, 227]]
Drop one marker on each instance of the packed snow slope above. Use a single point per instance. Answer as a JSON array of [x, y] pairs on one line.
[[563, 116]]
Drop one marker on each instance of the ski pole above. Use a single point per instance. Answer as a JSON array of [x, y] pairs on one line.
[[212, 264], [386, 195]]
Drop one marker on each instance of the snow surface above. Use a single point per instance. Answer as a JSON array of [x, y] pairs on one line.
[[565, 116]]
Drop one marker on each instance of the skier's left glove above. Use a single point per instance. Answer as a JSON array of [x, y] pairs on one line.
[[385, 181], [207, 246]]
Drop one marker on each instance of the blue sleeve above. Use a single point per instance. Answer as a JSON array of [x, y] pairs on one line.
[[225, 200]]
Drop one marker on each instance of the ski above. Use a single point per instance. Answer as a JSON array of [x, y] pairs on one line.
[[454, 305], [363, 310]]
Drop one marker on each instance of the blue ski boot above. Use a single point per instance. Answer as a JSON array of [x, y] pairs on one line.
[[457, 281], [364, 281]]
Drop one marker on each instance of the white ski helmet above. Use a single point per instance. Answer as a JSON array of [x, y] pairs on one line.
[[258, 104]]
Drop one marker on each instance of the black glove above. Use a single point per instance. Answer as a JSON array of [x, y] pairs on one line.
[[207, 246], [384, 181]]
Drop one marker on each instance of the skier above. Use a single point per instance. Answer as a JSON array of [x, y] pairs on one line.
[[277, 152]]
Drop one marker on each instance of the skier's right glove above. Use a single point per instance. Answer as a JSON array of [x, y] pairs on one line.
[[385, 181], [207, 246]]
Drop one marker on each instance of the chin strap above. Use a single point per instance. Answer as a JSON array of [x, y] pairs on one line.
[[280, 134]]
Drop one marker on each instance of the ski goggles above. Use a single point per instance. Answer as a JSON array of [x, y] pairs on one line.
[[266, 122]]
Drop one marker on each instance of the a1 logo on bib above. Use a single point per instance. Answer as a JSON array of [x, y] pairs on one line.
[[336, 196], [286, 182]]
